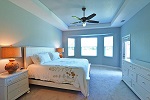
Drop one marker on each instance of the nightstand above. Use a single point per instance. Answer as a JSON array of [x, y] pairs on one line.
[[13, 85]]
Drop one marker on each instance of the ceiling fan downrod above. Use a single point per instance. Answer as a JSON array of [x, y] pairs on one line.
[[83, 11]]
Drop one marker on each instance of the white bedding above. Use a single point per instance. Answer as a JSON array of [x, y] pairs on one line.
[[65, 70]]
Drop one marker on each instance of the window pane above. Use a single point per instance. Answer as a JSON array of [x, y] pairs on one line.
[[108, 51], [127, 49], [71, 42], [108, 41], [108, 46], [89, 46], [89, 51], [88, 42], [71, 45], [70, 51]]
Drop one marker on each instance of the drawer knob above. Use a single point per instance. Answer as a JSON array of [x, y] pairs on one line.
[[133, 84], [143, 82]]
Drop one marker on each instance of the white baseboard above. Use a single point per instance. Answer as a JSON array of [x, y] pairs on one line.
[[97, 65]]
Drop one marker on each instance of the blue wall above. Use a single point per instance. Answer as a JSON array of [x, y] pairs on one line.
[[99, 59], [21, 28], [139, 28]]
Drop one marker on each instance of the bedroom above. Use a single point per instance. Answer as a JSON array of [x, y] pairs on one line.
[[19, 27]]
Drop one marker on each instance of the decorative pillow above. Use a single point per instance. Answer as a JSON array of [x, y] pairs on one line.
[[55, 55], [44, 57], [35, 59]]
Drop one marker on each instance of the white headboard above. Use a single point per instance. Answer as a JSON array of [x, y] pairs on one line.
[[29, 51]]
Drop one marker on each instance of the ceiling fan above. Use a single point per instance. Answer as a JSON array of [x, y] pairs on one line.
[[85, 19]]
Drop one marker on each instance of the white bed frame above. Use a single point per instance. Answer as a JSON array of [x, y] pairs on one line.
[[29, 51]]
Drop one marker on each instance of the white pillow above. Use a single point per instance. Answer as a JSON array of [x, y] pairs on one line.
[[55, 55], [35, 59], [44, 57], [51, 55]]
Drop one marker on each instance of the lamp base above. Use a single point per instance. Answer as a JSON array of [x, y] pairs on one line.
[[60, 55], [12, 66]]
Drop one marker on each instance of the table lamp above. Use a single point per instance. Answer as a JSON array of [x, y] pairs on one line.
[[60, 50], [11, 52]]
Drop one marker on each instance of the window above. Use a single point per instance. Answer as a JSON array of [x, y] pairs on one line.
[[71, 45], [89, 46], [108, 46]]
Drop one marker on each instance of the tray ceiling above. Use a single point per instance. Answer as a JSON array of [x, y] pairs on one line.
[[110, 13]]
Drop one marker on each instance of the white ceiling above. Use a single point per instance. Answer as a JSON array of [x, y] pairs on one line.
[[64, 9], [59, 13]]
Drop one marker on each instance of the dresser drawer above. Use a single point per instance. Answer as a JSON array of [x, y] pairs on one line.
[[142, 71], [127, 80], [141, 92], [14, 86], [143, 82], [127, 65], [124, 71], [132, 75]]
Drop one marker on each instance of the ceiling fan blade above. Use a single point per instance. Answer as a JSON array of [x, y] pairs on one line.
[[76, 17], [76, 22], [90, 16], [92, 21]]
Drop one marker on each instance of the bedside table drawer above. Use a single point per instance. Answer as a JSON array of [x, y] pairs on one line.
[[14, 86], [18, 92], [16, 78]]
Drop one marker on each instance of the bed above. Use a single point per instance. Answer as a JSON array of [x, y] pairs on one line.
[[65, 73]]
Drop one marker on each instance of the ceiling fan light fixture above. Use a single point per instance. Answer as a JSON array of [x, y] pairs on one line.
[[85, 19], [84, 24]]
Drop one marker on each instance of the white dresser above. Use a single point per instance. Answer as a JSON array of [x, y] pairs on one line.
[[13, 85], [136, 74]]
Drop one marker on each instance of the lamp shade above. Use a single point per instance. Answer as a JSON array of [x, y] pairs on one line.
[[11, 52], [59, 49]]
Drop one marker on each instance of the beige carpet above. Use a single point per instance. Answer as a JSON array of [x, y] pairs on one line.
[[105, 84]]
